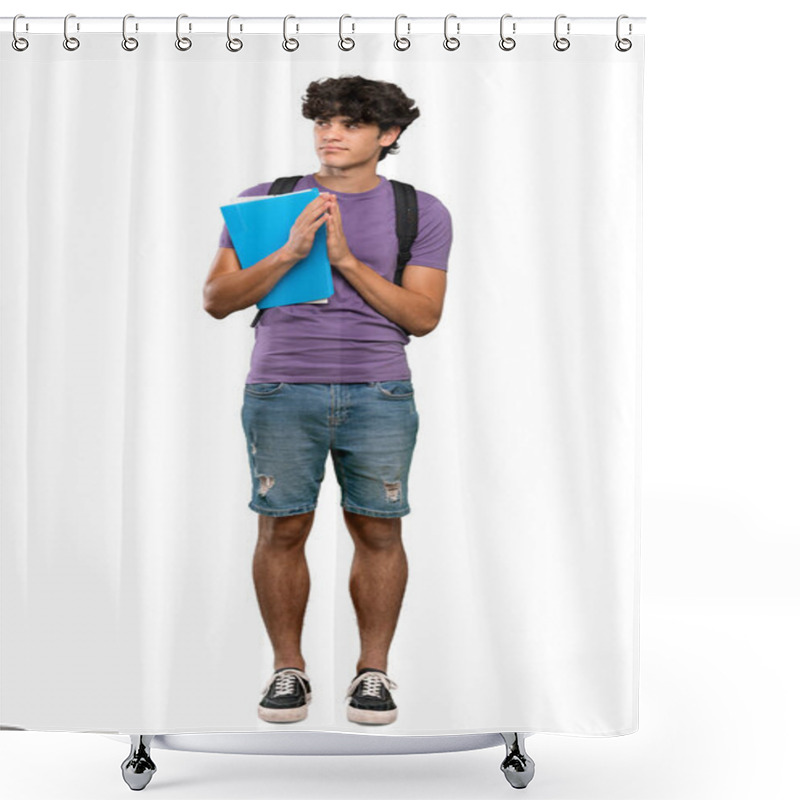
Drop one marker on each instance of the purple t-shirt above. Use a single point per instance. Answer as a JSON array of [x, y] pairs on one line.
[[346, 340]]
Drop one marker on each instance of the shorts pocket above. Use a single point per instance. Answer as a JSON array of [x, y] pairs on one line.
[[263, 389], [397, 389]]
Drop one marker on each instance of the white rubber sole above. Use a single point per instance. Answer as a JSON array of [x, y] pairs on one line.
[[365, 717], [284, 714]]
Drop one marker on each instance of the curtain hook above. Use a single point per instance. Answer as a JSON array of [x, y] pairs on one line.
[[128, 42], [401, 43], [234, 45], [451, 42], [285, 44], [18, 43], [506, 42], [70, 42], [560, 40], [623, 45], [182, 42], [351, 43]]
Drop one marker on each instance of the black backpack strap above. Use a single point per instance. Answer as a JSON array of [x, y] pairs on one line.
[[279, 186], [284, 185], [405, 203]]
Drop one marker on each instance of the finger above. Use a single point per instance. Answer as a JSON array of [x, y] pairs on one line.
[[314, 208], [325, 214]]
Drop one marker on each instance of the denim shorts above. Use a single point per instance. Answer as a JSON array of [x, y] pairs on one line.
[[370, 429]]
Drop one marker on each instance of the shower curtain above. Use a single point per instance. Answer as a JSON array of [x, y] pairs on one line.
[[128, 603]]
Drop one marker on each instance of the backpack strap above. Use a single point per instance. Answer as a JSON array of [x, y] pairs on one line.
[[405, 203], [279, 186], [284, 185]]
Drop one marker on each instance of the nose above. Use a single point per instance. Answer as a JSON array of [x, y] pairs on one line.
[[334, 130]]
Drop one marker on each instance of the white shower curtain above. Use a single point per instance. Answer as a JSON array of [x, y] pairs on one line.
[[127, 596]]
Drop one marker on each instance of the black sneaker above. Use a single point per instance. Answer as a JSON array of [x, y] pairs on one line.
[[369, 701], [288, 694]]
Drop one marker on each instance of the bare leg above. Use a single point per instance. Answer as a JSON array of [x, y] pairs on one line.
[[280, 574], [377, 583]]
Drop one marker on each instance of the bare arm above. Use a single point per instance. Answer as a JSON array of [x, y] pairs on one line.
[[416, 305], [230, 288]]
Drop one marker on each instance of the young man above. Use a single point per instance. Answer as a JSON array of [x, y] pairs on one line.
[[334, 378]]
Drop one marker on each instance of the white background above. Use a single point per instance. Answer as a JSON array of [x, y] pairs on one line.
[[720, 521]]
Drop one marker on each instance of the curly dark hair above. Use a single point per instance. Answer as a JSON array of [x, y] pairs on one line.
[[361, 100]]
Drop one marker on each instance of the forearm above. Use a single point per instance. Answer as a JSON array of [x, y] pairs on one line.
[[410, 310], [245, 287]]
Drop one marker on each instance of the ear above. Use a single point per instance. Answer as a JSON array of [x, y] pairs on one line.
[[389, 137]]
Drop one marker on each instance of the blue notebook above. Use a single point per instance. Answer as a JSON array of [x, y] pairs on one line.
[[259, 226]]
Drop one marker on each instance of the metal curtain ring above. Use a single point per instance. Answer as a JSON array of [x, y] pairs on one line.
[[128, 42], [506, 42], [623, 45], [18, 43], [401, 43], [182, 42], [70, 42], [345, 43], [286, 41], [451, 42], [560, 40], [234, 45]]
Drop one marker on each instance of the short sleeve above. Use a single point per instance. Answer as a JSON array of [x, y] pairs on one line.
[[431, 248], [225, 237], [252, 191]]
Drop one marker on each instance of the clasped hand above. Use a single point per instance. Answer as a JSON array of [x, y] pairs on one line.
[[322, 209]]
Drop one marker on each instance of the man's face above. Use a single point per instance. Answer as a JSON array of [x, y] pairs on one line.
[[341, 142]]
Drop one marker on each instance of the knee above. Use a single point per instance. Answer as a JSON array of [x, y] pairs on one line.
[[374, 533], [284, 532]]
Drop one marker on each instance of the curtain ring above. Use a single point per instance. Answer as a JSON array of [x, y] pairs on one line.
[[506, 42], [286, 41], [560, 40], [128, 42], [623, 45], [451, 42], [18, 43], [401, 43], [70, 42], [234, 45], [350, 43], [181, 42]]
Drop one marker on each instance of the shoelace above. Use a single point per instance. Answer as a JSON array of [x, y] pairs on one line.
[[372, 684], [285, 681]]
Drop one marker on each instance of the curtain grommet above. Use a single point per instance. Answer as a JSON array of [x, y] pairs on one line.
[[183, 43], [70, 42], [289, 44], [623, 45], [451, 42], [345, 42], [561, 43], [19, 43], [401, 42], [234, 45], [506, 42], [129, 43]]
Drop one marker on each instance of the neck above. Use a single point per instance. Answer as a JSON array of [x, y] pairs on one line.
[[346, 180]]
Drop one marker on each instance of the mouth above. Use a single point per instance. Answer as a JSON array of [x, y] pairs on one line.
[[332, 149]]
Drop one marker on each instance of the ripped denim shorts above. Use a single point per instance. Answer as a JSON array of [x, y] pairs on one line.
[[370, 429]]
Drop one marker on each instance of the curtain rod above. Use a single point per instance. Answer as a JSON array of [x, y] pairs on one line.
[[349, 24]]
